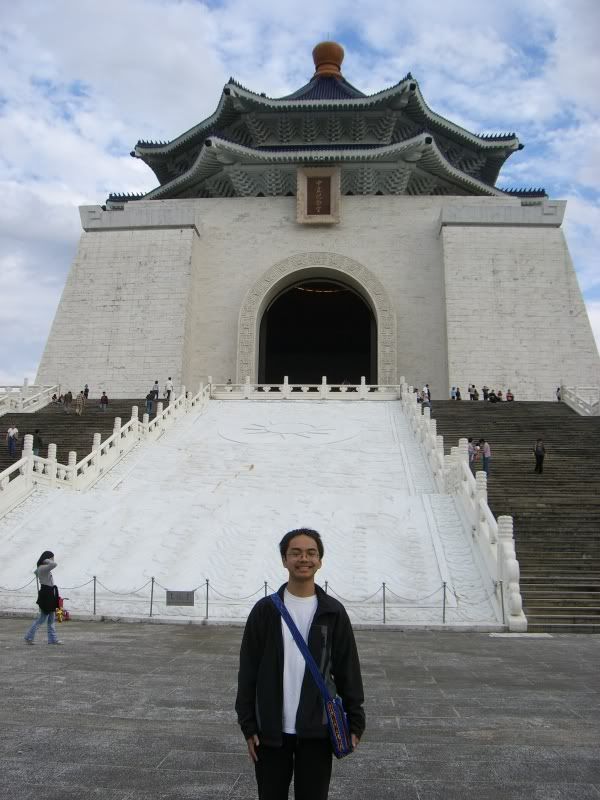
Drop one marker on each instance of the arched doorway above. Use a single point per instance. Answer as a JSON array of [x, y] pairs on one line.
[[316, 327]]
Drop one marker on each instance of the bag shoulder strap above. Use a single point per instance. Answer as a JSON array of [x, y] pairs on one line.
[[310, 661]]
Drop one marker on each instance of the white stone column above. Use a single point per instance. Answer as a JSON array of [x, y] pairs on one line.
[[51, 464], [72, 463]]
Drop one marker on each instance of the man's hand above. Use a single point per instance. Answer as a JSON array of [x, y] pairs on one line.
[[253, 743], [355, 740]]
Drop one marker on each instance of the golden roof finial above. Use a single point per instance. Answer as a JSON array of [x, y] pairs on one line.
[[328, 57]]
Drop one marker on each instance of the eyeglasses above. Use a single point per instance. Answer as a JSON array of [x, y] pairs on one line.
[[312, 554]]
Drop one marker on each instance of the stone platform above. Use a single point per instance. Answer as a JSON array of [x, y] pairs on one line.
[[142, 712]]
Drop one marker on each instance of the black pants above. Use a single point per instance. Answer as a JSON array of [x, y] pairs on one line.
[[309, 760], [539, 463]]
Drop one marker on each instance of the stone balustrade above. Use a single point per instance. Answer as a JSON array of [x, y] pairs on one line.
[[585, 400], [19, 479], [26, 398], [492, 539], [302, 391]]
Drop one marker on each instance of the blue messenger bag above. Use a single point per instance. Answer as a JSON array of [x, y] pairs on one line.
[[337, 720]]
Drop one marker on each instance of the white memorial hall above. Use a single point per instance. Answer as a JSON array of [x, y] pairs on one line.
[[325, 233]]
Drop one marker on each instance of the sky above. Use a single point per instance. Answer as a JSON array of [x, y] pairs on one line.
[[83, 81]]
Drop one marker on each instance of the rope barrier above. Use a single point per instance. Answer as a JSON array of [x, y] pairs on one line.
[[417, 599], [123, 594], [70, 588], [234, 599], [358, 600], [4, 589], [365, 613]]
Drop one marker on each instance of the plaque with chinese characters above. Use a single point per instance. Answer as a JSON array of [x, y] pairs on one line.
[[318, 195]]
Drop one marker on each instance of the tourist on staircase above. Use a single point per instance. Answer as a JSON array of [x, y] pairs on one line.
[[12, 439], [539, 451], [168, 390], [486, 455], [38, 442], [104, 402], [79, 403]]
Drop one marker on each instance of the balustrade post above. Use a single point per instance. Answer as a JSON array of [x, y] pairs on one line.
[[363, 391], [286, 387], [51, 465], [96, 442], [135, 418], [72, 464], [28, 454], [323, 389], [481, 485], [247, 389]]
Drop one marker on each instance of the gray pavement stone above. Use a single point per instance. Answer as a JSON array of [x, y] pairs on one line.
[[145, 712]]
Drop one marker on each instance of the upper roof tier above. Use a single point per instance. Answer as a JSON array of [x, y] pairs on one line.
[[326, 114]]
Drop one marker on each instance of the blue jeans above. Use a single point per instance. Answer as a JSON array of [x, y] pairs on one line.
[[486, 465], [12, 446], [43, 617]]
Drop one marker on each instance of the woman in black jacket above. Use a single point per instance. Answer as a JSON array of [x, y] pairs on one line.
[[47, 599]]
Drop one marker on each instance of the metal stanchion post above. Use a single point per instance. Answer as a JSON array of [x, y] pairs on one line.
[[266, 589], [94, 595], [444, 604], [206, 615], [326, 586], [151, 595], [383, 585]]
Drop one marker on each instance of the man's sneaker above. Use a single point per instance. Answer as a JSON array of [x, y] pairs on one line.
[[57, 642], [28, 641]]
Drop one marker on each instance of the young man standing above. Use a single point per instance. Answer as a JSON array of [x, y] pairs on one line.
[[279, 706]]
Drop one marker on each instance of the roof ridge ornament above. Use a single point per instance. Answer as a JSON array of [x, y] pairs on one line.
[[328, 57]]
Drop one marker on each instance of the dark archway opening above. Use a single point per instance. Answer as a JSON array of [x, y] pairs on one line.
[[316, 328]]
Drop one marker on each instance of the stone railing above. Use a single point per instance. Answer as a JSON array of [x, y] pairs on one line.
[[26, 398], [585, 400], [492, 539], [17, 481], [302, 391]]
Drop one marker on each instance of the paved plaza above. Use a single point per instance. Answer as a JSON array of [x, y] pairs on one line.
[[141, 712]]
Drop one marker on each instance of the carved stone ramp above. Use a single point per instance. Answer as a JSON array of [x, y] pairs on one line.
[[213, 496]]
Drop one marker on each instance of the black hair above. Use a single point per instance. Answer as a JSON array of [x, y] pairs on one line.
[[45, 555], [314, 535]]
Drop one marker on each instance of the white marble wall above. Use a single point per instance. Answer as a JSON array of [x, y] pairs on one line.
[[156, 289], [515, 314]]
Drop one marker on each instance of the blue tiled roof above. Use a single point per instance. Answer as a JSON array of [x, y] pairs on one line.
[[325, 88]]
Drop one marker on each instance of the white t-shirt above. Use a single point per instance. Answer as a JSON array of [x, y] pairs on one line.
[[302, 610]]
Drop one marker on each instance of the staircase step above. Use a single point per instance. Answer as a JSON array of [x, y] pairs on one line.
[[556, 515]]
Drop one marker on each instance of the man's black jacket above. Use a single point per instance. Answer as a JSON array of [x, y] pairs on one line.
[[259, 702]]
